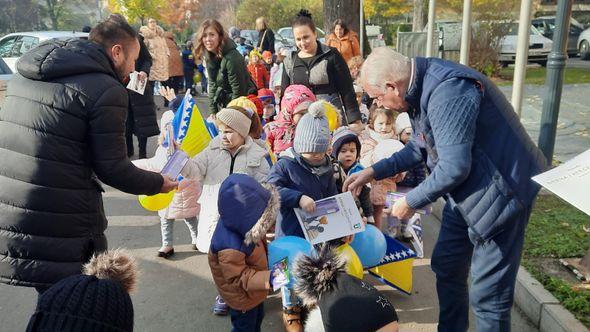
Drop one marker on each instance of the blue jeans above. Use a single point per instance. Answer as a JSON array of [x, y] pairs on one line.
[[247, 321], [167, 226], [493, 265]]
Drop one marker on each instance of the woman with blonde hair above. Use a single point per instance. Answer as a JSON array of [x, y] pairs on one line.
[[226, 68], [266, 38]]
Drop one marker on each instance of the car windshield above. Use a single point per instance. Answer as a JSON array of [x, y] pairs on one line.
[[4, 70], [513, 30]]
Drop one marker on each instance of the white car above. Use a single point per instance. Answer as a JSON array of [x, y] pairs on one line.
[[539, 46], [287, 34], [14, 45], [584, 44], [5, 76]]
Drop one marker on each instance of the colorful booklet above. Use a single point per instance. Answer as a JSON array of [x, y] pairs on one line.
[[334, 217], [175, 164], [393, 196], [279, 274]]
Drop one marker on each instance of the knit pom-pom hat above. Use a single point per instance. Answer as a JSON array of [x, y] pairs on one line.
[[312, 134], [97, 300]]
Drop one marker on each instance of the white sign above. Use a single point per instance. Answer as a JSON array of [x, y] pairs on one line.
[[570, 181]]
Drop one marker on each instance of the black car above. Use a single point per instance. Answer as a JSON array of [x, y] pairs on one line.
[[546, 25]]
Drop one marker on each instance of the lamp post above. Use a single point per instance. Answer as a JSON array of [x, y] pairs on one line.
[[466, 33], [522, 54], [554, 80]]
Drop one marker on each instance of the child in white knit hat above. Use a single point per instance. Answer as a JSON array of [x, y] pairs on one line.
[[232, 151]]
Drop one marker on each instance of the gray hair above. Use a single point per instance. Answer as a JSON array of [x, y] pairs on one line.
[[383, 65]]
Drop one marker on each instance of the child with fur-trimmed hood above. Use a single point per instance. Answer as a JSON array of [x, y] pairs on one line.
[[338, 301], [238, 253]]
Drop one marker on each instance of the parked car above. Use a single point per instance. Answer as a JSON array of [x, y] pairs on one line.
[[584, 44], [539, 46], [287, 33], [250, 37], [14, 45], [5, 75], [546, 25]]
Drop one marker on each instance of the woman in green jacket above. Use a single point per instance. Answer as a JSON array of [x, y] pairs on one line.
[[226, 68]]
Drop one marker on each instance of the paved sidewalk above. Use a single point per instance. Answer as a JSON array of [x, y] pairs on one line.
[[177, 294], [573, 136]]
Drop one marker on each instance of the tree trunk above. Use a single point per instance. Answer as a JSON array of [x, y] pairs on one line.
[[52, 10], [348, 10], [418, 21]]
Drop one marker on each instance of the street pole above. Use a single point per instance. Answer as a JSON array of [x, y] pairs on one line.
[[522, 54], [430, 32], [466, 33], [554, 80], [362, 27]]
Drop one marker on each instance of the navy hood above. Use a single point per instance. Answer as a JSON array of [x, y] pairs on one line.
[[247, 210]]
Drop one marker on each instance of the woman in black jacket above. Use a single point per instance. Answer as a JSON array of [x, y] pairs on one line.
[[322, 69], [266, 38]]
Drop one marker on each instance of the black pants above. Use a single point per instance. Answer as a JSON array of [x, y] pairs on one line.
[[188, 79], [141, 142]]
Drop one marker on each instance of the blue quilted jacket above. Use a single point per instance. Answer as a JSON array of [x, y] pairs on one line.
[[480, 157]]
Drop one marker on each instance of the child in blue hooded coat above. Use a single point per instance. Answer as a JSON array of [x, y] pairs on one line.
[[303, 174], [238, 253]]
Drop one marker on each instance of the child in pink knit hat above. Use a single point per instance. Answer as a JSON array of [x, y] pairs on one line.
[[280, 133]]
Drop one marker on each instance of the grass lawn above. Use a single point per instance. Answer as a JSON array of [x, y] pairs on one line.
[[556, 230], [536, 75]]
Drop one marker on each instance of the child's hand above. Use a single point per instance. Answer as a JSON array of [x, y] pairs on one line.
[[399, 177], [307, 204], [167, 93]]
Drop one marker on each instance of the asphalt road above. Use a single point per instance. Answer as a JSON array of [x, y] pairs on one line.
[[177, 294]]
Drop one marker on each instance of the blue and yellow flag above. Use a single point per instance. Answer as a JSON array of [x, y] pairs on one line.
[[396, 267]]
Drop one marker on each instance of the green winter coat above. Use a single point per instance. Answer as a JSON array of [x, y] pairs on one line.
[[228, 77]]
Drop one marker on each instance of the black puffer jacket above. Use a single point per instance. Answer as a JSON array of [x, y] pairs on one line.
[[142, 120], [327, 76], [62, 122]]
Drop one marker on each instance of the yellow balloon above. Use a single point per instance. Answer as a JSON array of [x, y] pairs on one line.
[[332, 116], [156, 202], [354, 267]]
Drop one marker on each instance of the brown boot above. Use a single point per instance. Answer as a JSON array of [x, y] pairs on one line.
[[292, 319]]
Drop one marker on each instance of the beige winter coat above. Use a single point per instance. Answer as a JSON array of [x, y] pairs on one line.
[[174, 60], [210, 168], [156, 44]]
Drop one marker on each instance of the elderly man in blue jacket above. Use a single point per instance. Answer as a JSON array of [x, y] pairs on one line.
[[481, 161]]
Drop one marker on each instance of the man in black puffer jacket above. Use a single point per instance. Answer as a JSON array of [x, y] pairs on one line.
[[61, 127]]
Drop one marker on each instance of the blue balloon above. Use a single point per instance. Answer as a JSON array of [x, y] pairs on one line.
[[287, 246], [370, 246], [290, 247]]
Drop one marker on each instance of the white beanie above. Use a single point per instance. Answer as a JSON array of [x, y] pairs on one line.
[[402, 122], [312, 134], [236, 120]]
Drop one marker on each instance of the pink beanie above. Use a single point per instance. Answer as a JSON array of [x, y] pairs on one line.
[[296, 98]]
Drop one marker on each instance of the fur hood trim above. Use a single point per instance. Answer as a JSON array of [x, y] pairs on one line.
[[268, 217], [316, 274]]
